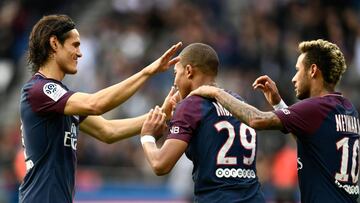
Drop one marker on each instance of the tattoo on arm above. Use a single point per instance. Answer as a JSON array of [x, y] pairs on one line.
[[247, 113]]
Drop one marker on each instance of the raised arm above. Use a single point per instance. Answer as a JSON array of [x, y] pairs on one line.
[[246, 113], [271, 93], [108, 98], [163, 159]]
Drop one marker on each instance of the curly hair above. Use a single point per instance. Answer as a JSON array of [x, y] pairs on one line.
[[39, 40], [327, 56]]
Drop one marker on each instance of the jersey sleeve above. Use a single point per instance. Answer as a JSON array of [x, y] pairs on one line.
[[186, 119], [48, 97], [302, 118]]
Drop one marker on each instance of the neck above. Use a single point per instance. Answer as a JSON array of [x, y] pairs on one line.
[[321, 90], [52, 70], [203, 81]]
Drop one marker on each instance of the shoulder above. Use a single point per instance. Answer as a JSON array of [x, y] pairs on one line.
[[303, 117], [307, 109], [46, 87], [45, 95], [193, 101], [313, 105], [308, 104], [237, 96], [190, 107]]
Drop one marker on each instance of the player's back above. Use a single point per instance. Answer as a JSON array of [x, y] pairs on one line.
[[223, 151]]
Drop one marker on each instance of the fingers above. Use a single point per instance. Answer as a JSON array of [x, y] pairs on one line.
[[178, 45], [162, 118], [176, 97], [174, 61], [172, 92], [259, 86], [150, 115], [261, 80], [197, 91], [158, 115], [154, 122], [172, 50], [268, 85]]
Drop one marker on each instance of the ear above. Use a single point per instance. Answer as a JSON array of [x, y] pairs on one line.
[[314, 71], [54, 43], [189, 71]]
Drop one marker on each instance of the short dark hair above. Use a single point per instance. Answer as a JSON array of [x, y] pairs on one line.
[[39, 39], [327, 56], [201, 56]]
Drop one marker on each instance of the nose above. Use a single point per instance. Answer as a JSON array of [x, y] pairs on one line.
[[293, 80], [79, 54]]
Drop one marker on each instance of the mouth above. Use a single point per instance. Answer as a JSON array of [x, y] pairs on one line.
[[295, 90]]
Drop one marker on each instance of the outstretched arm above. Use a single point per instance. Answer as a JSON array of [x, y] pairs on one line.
[[163, 159], [109, 98], [246, 113], [110, 131]]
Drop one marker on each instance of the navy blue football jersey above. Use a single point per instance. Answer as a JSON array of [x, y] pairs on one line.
[[49, 139], [327, 132], [222, 149]]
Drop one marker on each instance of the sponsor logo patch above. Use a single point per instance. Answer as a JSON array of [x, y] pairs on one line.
[[286, 111], [54, 91], [175, 130], [235, 173]]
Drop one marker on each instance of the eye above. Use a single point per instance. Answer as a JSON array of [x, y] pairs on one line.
[[76, 44]]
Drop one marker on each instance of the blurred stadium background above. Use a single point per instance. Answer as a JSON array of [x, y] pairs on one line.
[[119, 37]]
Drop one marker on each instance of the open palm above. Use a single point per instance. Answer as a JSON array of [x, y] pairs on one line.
[[164, 62]]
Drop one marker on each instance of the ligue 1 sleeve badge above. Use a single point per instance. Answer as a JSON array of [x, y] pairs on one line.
[[54, 91]]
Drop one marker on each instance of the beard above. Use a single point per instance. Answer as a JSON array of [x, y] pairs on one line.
[[301, 94]]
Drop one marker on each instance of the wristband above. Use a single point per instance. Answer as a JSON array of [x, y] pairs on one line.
[[147, 138], [280, 105]]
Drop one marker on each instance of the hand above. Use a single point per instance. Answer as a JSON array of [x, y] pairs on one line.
[[268, 87], [154, 123], [164, 62], [170, 102], [205, 91]]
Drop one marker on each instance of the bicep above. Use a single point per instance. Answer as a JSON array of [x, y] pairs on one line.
[[80, 104], [172, 150]]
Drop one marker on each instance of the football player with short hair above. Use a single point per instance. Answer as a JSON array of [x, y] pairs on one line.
[[324, 122], [222, 148]]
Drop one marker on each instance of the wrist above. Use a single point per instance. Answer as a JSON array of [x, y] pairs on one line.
[[147, 139], [280, 105]]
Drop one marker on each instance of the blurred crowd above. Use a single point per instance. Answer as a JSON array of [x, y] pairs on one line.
[[119, 37]]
